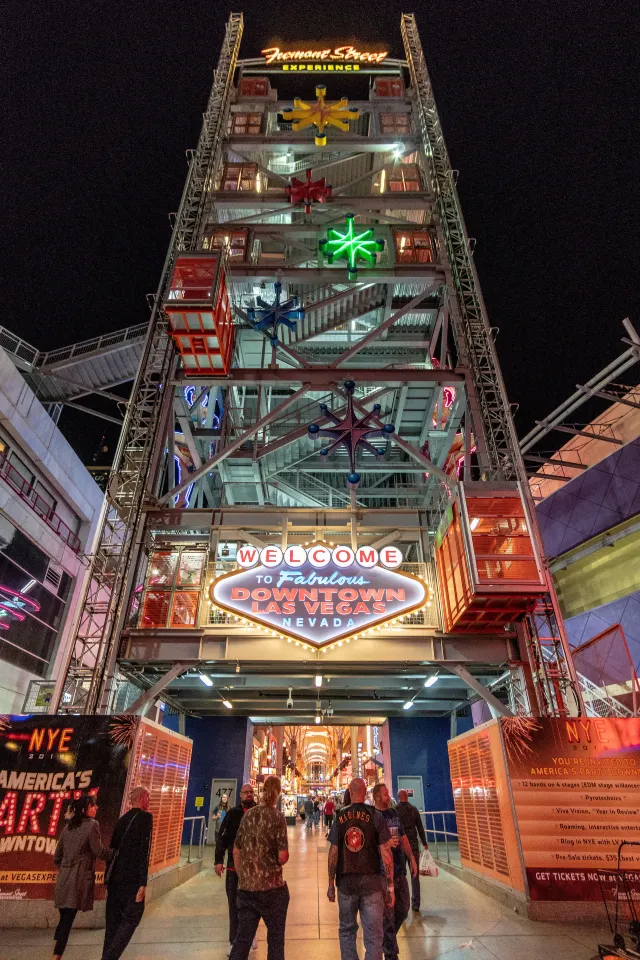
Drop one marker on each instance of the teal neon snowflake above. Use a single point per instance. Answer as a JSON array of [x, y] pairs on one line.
[[351, 246]]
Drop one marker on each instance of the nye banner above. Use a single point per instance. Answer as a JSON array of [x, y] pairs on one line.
[[576, 790], [45, 763]]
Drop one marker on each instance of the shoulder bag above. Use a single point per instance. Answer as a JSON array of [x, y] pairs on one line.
[[111, 865]]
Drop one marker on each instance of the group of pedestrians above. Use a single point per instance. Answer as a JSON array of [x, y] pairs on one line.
[[77, 850], [369, 848], [316, 809]]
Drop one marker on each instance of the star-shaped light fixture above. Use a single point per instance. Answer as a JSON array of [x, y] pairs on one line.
[[320, 115], [308, 191], [351, 432], [267, 316], [350, 245]]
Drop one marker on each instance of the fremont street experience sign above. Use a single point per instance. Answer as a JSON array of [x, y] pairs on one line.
[[319, 594]]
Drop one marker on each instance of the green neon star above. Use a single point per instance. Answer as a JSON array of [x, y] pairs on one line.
[[351, 246]]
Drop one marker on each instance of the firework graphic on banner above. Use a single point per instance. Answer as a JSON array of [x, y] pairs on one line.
[[122, 729], [5, 723], [518, 734], [351, 432]]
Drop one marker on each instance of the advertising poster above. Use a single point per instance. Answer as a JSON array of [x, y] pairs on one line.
[[45, 763], [576, 791]]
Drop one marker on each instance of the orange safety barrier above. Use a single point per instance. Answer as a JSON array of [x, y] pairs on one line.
[[199, 313]]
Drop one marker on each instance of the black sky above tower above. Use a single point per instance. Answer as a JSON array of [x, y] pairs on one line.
[[539, 106]]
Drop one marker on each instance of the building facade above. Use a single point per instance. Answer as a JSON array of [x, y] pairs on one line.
[[49, 512]]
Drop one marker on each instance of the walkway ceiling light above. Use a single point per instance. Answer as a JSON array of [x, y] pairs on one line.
[[318, 680], [407, 705], [208, 682], [429, 682], [228, 704]]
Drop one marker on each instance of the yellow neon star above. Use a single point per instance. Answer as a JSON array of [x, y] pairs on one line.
[[321, 115]]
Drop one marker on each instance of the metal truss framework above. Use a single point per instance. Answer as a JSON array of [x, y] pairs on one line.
[[413, 336]]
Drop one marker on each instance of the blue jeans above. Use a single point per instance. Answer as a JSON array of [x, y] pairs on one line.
[[371, 907]]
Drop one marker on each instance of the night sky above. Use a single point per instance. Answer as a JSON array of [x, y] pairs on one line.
[[539, 104]]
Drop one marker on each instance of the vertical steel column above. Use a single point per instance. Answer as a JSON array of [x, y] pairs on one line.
[[95, 644]]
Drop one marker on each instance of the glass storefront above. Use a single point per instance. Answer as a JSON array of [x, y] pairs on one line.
[[30, 613]]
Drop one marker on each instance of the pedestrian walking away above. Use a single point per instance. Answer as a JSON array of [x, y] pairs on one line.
[[316, 813], [329, 810], [412, 823], [224, 845], [127, 874], [394, 916], [361, 863], [259, 853], [308, 813], [75, 857]]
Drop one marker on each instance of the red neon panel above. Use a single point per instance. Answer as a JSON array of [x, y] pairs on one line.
[[184, 610], [155, 610]]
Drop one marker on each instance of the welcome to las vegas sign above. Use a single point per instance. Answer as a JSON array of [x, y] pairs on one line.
[[319, 594]]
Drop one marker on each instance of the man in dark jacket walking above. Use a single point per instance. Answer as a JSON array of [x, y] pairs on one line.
[[131, 843], [412, 822], [224, 844]]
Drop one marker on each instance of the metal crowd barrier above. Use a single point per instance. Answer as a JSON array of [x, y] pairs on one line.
[[202, 835], [439, 831]]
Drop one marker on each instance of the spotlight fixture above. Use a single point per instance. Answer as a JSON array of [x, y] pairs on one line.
[[408, 705], [429, 682], [228, 704], [237, 666], [225, 550], [318, 680], [208, 682], [318, 718]]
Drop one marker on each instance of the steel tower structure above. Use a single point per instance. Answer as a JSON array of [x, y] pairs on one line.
[[344, 263]]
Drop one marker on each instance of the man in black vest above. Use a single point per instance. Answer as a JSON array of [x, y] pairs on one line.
[[360, 858], [412, 822], [224, 844], [127, 884]]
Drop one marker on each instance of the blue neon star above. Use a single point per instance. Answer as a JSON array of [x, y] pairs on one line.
[[267, 316], [351, 432]]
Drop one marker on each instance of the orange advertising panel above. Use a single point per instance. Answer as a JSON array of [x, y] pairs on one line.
[[576, 792], [486, 829]]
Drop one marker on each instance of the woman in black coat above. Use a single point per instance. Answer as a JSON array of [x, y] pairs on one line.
[[78, 849]]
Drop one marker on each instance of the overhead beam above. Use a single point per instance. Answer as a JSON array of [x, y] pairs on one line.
[[94, 413], [375, 333], [157, 688], [554, 461], [229, 448], [582, 433], [326, 378], [495, 705]]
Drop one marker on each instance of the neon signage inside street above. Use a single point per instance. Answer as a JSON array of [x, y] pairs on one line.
[[320, 595], [340, 54]]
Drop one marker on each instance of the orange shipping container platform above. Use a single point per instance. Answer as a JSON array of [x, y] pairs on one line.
[[199, 313], [489, 570]]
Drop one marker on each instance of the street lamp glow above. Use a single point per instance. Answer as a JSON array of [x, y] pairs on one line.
[[208, 682]]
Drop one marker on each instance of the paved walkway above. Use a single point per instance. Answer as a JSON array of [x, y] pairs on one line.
[[190, 923]]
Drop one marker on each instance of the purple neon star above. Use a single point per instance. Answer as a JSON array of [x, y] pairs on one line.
[[351, 432]]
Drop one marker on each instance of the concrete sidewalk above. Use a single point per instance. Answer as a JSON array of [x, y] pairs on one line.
[[190, 923]]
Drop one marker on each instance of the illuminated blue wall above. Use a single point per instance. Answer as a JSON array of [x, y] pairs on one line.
[[419, 748]]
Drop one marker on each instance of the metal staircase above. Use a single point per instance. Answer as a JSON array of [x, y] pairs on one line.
[[89, 366]]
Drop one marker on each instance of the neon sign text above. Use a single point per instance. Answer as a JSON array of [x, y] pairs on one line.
[[342, 54]]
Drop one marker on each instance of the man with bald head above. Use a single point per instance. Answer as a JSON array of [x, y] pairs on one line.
[[127, 874], [412, 822], [224, 845], [360, 861]]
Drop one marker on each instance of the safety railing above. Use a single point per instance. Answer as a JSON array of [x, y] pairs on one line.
[[38, 504], [201, 823], [17, 346], [83, 347], [439, 832]]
